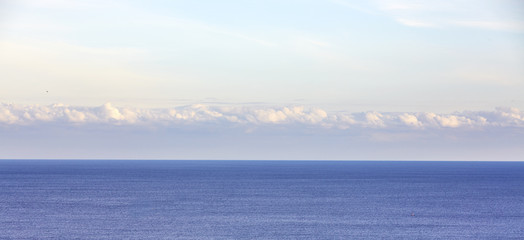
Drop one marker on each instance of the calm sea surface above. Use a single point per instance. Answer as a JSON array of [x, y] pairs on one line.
[[48, 199]]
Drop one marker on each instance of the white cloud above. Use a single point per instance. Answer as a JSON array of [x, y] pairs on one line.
[[449, 121], [487, 14], [511, 26], [375, 119], [256, 132], [108, 112], [410, 119], [254, 116], [6, 116]]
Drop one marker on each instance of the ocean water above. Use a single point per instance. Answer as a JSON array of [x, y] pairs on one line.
[[57, 199]]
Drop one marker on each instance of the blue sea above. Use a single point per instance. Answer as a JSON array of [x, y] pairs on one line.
[[124, 199]]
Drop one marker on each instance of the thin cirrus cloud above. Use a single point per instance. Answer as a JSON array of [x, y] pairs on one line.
[[488, 15]]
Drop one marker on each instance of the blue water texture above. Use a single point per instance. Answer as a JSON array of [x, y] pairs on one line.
[[124, 199]]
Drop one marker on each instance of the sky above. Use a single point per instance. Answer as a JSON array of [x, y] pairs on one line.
[[309, 79]]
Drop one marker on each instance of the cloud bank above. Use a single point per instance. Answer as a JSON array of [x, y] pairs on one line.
[[256, 132], [253, 116]]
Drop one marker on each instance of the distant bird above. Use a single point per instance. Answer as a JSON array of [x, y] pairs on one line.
[[47, 91]]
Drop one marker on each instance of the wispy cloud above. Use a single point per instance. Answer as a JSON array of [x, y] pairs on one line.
[[511, 26], [488, 15]]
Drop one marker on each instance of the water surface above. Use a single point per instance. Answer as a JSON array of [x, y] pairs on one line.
[[50, 199]]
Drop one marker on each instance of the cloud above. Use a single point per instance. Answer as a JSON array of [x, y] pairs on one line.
[[410, 119], [375, 119], [254, 116], [511, 26], [487, 14], [202, 131]]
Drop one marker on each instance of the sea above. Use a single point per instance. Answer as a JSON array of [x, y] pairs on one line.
[[150, 199]]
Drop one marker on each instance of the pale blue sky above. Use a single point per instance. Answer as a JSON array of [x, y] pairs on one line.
[[335, 79], [340, 54]]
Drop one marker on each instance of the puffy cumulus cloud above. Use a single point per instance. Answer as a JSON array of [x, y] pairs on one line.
[[285, 115], [108, 112], [6, 116], [375, 119], [253, 116], [410, 120], [510, 116]]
